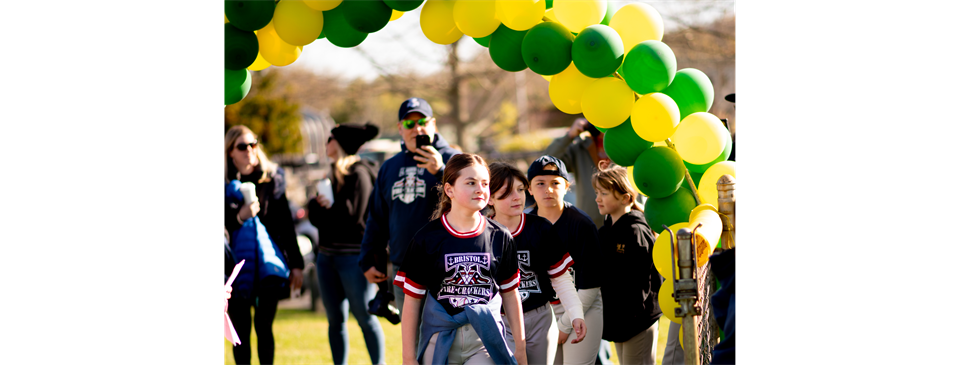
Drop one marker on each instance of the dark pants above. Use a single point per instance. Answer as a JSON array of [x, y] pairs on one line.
[[266, 310], [342, 284]]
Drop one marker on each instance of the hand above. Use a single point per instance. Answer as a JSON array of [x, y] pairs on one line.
[[580, 329], [374, 276], [249, 210], [562, 338], [323, 201], [412, 361], [429, 158], [521, 355], [578, 127], [296, 278]]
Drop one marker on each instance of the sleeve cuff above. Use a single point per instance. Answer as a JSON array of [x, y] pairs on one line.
[[561, 266], [512, 283], [409, 286]]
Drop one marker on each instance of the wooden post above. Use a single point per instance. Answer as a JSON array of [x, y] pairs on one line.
[[726, 186]]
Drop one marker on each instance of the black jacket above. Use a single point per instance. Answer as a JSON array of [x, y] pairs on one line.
[[341, 226], [632, 284], [274, 214]]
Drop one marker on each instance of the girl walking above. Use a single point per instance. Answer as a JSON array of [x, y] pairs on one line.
[[464, 266], [630, 315], [543, 265]]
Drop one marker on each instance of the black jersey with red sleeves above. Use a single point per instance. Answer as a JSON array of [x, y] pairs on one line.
[[459, 268], [541, 256], [579, 236]]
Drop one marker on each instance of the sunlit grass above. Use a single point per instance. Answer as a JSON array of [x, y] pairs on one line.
[[301, 338]]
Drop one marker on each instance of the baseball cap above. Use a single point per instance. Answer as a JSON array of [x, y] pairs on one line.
[[415, 105], [537, 168]]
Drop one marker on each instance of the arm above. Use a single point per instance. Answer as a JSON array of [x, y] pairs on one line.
[[409, 324], [587, 297], [361, 195], [567, 293], [564, 147], [514, 312]]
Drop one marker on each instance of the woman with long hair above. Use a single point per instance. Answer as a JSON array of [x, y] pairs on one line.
[[244, 160], [342, 223], [464, 266], [543, 264]]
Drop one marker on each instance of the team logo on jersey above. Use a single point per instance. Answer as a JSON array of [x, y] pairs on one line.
[[620, 248], [528, 279], [468, 281], [409, 187]]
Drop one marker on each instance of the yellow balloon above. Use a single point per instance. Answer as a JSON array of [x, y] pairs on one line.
[[700, 138], [655, 117], [549, 14], [667, 303], [395, 15], [259, 64], [607, 102], [296, 23], [436, 21], [274, 50], [547, 77], [521, 14], [708, 182], [566, 89], [579, 14], [322, 5], [661, 250], [708, 235], [476, 18], [637, 22], [660, 144]]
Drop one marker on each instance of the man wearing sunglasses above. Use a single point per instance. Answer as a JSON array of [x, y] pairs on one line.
[[404, 195]]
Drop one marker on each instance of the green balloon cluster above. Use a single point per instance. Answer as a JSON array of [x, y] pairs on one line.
[[692, 90], [249, 15], [240, 47], [672, 209], [546, 48], [649, 67], [237, 85], [658, 172], [338, 31], [506, 48], [623, 145], [402, 5], [367, 16], [598, 51]]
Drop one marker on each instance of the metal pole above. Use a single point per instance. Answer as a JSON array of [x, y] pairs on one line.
[[726, 187], [686, 293]]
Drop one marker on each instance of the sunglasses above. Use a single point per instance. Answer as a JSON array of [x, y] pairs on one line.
[[408, 123], [243, 146]]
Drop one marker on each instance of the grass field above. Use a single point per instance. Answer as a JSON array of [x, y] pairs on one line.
[[301, 338]]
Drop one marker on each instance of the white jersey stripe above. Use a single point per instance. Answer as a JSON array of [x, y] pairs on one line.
[[567, 261]]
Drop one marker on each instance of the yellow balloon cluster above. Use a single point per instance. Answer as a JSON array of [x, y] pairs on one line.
[[436, 21], [521, 14], [395, 15], [655, 117], [296, 23], [566, 89], [667, 303], [708, 182], [661, 250], [607, 102], [274, 50], [579, 14], [700, 138], [637, 22], [476, 18]]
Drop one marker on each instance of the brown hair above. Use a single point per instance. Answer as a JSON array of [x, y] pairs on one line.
[[615, 179], [450, 174], [502, 175]]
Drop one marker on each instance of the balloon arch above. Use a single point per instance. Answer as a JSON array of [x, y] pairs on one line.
[[608, 64]]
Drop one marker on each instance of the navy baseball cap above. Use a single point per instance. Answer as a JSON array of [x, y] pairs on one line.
[[415, 105], [536, 168]]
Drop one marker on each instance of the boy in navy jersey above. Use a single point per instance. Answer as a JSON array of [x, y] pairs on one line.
[[550, 181]]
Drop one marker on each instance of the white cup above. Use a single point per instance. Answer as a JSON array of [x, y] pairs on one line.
[[326, 189], [249, 191]]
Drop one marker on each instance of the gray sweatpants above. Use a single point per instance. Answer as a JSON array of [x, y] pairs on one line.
[[585, 352], [540, 328], [673, 353], [467, 349]]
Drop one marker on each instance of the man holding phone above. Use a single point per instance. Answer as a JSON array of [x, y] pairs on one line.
[[405, 193]]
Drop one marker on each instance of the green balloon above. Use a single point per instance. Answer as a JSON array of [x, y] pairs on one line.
[[485, 41], [546, 48], [623, 145], [658, 172], [403, 5], [549, 4], [237, 85], [696, 177], [240, 47], [598, 51], [609, 14], [505, 48], [367, 16], [322, 35], [727, 149], [692, 90], [338, 31], [672, 209], [604, 130], [249, 15], [649, 67]]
